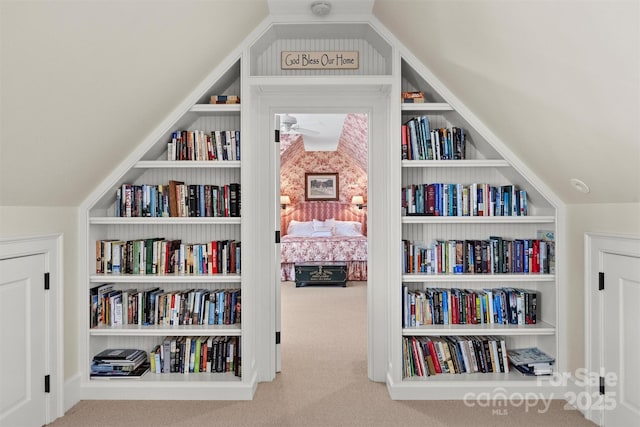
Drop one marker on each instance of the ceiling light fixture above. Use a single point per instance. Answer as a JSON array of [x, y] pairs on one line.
[[320, 8], [579, 185]]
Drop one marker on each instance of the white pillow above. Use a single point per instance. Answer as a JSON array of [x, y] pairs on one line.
[[300, 228], [348, 228], [321, 234], [326, 225]]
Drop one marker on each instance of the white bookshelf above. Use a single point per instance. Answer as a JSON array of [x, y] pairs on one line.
[[385, 72], [150, 166], [484, 163]]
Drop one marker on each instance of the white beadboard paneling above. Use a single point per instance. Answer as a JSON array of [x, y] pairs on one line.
[[447, 231], [188, 233]]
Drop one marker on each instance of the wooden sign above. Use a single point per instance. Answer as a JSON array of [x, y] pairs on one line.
[[332, 60]]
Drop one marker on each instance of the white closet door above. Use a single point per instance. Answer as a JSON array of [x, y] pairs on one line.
[[22, 321], [622, 338]]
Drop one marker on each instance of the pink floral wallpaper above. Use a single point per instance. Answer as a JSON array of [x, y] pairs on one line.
[[349, 160]]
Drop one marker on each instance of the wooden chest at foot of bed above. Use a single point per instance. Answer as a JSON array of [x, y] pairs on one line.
[[321, 273]]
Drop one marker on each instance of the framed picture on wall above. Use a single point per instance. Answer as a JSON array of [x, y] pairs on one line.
[[321, 186]]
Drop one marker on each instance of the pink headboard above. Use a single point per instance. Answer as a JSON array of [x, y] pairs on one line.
[[308, 211]]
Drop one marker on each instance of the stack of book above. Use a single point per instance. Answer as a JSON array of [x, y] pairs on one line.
[[413, 97], [225, 99], [531, 361], [119, 363]]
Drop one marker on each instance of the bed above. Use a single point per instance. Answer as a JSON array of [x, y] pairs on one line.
[[324, 231]]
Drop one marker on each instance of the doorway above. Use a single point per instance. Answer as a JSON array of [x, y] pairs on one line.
[[266, 102], [323, 187]]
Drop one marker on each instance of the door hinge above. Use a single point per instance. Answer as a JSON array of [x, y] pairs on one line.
[[278, 236], [277, 136], [601, 385], [601, 281], [47, 383], [278, 337], [46, 281]]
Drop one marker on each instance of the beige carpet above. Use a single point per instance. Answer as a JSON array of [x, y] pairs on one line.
[[323, 383]]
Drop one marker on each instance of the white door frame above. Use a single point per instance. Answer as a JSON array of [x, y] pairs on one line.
[[269, 100], [51, 247], [596, 246]]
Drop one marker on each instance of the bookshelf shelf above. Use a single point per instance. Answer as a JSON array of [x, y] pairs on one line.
[[455, 164], [200, 377], [483, 278], [475, 379], [426, 106], [110, 220], [541, 328], [187, 164], [425, 219], [216, 108], [161, 330], [165, 278]]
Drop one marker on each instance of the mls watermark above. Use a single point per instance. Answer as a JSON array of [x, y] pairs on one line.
[[585, 379], [499, 400]]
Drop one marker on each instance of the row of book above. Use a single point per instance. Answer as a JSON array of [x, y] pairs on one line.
[[426, 355], [111, 306], [161, 256], [177, 199], [420, 142], [440, 199], [119, 363], [202, 354], [204, 145], [496, 255], [454, 306]]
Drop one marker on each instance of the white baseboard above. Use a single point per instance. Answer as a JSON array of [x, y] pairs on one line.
[[576, 389], [71, 392]]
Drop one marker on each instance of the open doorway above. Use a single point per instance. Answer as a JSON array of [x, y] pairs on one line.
[[323, 187], [267, 101]]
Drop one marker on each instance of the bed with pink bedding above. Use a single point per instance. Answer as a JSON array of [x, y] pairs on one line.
[[330, 240]]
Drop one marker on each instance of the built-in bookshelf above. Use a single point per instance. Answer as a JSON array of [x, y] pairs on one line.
[[472, 229], [164, 237], [473, 159]]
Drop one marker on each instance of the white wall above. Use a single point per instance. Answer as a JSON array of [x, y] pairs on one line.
[[32, 221], [613, 218]]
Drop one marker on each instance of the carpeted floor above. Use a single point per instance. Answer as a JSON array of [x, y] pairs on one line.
[[323, 383]]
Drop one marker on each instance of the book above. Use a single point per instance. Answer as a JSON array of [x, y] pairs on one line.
[[224, 99], [119, 355], [135, 373], [412, 97], [528, 356]]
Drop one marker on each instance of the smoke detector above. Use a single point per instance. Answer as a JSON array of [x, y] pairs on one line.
[[320, 8]]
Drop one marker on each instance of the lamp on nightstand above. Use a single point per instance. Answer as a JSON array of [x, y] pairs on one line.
[[358, 201], [284, 201]]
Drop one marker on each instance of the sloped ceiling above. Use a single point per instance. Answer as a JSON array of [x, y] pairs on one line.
[[557, 81], [82, 83], [352, 143]]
